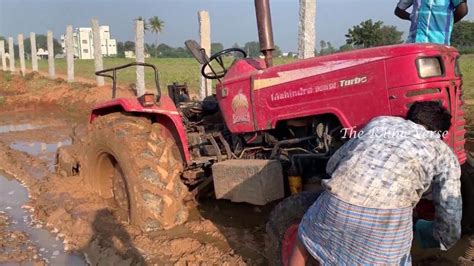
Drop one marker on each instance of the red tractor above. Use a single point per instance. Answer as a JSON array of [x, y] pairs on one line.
[[264, 126]]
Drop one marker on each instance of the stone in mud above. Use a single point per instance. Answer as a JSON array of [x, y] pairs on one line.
[[254, 181], [59, 216], [67, 161]]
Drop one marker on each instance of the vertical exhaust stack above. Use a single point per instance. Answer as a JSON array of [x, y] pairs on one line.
[[265, 31]]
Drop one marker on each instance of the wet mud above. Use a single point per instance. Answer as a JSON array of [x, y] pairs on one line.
[[46, 218]]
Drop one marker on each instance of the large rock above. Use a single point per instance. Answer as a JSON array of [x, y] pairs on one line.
[[254, 181]]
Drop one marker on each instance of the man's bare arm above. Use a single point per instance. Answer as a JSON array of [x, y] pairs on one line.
[[460, 12], [402, 13]]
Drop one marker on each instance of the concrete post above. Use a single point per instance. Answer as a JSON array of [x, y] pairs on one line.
[[21, 54], [69, 54], [34, 57], [51, 70], [140, 56], [11, 54], [2, 54], [97, 50], [307, 32], [205, 41]]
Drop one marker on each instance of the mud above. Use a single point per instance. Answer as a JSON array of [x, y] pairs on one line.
[[58, 220]]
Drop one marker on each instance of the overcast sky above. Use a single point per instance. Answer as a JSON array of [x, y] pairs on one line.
[[232, 21]]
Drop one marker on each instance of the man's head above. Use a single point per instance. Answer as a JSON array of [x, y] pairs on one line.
[[431, 115]]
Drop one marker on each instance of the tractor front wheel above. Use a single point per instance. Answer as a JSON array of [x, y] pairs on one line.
[[282, 226], [136, 165]]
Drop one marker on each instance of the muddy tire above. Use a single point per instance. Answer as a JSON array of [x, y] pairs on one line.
[[467, 192], [282, 226], [136, 165]]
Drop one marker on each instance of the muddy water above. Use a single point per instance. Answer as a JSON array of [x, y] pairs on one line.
[[20, 127], [14, 196], [42, 150]]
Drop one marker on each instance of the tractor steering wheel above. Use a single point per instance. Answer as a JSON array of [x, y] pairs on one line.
[[218, 58]]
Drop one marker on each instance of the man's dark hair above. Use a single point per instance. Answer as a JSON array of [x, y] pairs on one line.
[[432, 115]]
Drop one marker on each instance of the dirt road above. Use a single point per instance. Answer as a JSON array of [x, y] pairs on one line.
[[46, 218]]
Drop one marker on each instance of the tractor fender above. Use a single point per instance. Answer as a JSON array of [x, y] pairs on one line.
[[164, 112]]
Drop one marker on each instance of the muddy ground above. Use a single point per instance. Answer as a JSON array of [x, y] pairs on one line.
[[58, 221]]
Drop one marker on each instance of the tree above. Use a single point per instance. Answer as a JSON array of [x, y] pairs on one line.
[[390, 35], [252, 49], [346, 47], [156, 26], [129, 46], [370, 34], [322, 43], [237, 55], [120, 49], [277, 52], [42, 42], [326, 48], [216, 47], [463, 34]]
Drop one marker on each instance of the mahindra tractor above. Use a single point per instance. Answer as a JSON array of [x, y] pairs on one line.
[[266, 133]]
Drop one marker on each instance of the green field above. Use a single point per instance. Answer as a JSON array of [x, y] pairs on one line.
[[187, 70], [467, 68], [182, 70]]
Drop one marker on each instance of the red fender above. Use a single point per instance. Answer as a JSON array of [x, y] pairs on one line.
[[165, 112]]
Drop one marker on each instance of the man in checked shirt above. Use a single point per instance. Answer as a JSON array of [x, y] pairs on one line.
[[364, 216]]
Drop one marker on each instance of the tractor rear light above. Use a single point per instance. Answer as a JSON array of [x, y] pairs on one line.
[[429, 67], [147, 99]]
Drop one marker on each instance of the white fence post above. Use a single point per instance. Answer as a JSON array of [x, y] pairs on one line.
[[140, 56], [2, 54], [34, 57], [51, 69], [205, 42], [307, 32], [11, 54], [69, 54], [99, 65], [21, 54]]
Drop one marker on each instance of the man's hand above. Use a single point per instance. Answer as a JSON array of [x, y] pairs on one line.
[[402, 13], [460, 11]]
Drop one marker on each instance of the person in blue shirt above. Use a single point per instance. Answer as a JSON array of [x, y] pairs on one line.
[[431, 20]]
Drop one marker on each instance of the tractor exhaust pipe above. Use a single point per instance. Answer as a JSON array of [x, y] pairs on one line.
[[265, 31]]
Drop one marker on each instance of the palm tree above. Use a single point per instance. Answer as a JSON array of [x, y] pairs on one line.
[[156, 26]]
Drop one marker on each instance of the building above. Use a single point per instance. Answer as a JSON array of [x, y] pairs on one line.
[[84, 43]]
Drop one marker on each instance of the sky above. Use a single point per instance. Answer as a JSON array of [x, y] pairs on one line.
[[232, 21]]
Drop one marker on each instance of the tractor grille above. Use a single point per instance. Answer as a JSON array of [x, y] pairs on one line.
[[458, 130], [449, 94]]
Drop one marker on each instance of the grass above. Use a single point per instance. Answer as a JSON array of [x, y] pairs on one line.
[[467, 68], [182, 70]]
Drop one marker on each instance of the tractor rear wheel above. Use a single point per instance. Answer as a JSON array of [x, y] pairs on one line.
[[136, 165], [282, 226]]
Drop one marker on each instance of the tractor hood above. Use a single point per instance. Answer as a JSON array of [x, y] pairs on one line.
[[267, 77]]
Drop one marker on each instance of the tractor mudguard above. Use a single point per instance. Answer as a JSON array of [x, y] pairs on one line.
[[164, 112]]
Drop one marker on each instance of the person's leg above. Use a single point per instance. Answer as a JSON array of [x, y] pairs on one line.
[[299, 255]]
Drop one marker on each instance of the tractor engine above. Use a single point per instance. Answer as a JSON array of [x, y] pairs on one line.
[[302, 146]]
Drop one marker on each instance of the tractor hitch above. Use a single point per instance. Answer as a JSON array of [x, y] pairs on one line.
[[147, 99]]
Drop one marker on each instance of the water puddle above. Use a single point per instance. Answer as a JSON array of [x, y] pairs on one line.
[[44, 151], [20, 127], [14, 195]]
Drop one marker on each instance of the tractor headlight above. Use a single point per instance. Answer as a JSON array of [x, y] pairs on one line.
[[429, 67]]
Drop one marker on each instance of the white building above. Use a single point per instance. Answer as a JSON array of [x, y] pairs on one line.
[[84, 43]]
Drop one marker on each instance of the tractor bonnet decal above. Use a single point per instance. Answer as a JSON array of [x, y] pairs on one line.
[[240, 108]]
